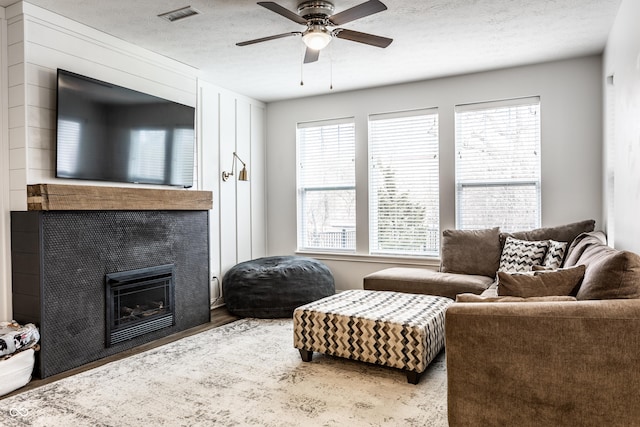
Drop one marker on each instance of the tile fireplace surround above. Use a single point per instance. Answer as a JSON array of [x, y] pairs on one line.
[[73, 236]]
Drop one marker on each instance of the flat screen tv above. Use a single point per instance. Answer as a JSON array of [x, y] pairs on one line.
[[107, 132]]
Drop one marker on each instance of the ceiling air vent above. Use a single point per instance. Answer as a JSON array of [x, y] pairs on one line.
[[176, 15]]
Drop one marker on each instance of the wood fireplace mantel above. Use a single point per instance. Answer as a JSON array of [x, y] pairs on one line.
[[59, 197]]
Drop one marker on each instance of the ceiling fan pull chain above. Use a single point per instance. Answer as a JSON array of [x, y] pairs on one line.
[[331, 67], [302, 65]]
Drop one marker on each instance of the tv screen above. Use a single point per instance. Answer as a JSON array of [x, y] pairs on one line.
[[111, 133]]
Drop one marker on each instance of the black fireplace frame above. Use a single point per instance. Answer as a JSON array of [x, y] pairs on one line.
[[130, 279]]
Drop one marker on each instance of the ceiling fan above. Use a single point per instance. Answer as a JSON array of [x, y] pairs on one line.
[[317, 16]]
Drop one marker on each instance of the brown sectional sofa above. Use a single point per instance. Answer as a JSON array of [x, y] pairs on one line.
[[550, 361], [565, 363]]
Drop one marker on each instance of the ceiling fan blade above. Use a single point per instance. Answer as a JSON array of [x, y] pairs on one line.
[[264, 39], [311, 55], [275, 7], [356, 12], [356, 36]]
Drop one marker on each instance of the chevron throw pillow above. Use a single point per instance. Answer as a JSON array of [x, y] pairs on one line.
[[522, 255], [555, 254]]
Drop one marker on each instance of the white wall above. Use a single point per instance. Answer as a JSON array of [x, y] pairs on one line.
[[571, 120], [38, 42], [230, 122], [621, 80]]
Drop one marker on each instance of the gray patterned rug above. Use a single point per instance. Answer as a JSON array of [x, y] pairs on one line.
[[246, 373]]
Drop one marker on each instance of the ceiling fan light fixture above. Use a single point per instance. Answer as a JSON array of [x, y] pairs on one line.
[[316, 37]]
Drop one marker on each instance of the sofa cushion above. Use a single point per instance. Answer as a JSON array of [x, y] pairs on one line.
[[474, 252], [555, 254], [541, 283], [610, 274], [423, 281], [562, 233], [480, 298], [521, 255], [581, 243]]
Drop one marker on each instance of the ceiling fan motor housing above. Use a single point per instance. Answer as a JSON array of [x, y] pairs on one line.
[[312, 10]]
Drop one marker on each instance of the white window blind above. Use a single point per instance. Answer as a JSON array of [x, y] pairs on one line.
[[404, 183], [498, 164], [326, 185]]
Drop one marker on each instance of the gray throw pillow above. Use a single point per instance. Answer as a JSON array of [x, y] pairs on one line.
[[471, 251]]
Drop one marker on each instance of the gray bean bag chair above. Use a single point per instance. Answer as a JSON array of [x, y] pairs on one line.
[[272, 287]]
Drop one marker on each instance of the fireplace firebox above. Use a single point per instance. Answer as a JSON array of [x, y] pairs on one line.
[[138, 302]]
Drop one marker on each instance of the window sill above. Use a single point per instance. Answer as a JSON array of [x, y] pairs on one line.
[[373, 259]]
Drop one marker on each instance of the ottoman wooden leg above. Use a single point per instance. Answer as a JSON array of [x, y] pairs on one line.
[[306, 355], [413, 377]]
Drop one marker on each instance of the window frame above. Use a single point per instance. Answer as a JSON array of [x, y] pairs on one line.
[[302, 191], [431, 113], [535, 183]]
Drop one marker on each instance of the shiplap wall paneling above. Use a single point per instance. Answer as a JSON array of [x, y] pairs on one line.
[[42, 42], [5, 191], [17, 117], [55, 40], [243, 188], [258, 182], [228, 244]]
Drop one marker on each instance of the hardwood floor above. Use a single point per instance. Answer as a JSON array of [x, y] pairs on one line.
[[219, 316]]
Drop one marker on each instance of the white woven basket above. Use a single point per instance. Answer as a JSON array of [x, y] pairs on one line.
[[16, 370]]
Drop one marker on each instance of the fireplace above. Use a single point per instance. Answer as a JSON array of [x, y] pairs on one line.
[[138, 302], [63, 260]]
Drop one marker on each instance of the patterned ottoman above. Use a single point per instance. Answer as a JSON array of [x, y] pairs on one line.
[[399, 330]]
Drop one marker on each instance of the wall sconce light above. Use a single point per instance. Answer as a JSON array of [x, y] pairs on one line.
[[242, 176]]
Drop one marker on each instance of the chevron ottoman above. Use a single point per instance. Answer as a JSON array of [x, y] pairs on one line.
[[394, 329]]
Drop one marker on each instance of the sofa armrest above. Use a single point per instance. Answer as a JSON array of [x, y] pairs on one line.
[[532, 364]]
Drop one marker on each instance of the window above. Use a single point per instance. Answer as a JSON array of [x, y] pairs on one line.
[[498, 165], [326, 185], [404, 183]]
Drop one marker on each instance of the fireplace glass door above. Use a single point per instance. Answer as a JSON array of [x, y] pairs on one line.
[[139, 302]]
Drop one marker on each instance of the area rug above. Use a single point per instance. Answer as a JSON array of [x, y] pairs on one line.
[[246, 373]]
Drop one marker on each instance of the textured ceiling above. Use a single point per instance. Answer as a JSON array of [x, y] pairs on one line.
[[432, 38]]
